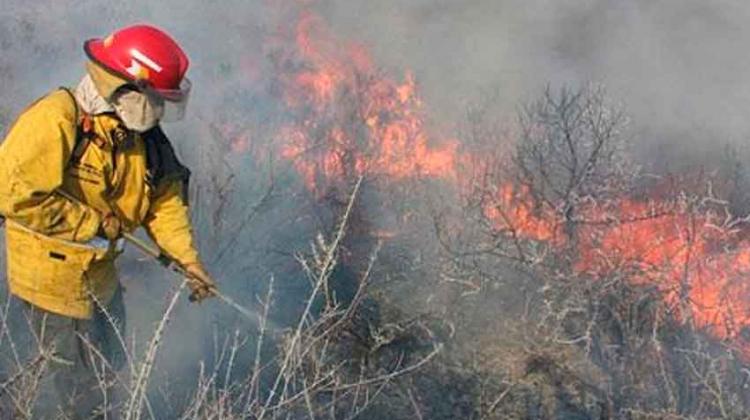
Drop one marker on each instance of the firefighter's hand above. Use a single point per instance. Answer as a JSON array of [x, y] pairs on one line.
[[201, 284], [111, 227]]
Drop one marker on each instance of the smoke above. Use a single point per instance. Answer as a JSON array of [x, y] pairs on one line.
[[678, 66]]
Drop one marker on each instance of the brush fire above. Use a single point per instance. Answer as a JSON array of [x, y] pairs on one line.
[[697, 259], [374, 259]]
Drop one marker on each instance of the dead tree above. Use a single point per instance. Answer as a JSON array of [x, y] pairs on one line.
[[573, 146], [557, 338]]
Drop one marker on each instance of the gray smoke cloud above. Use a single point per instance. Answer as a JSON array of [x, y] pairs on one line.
[[679, 66]]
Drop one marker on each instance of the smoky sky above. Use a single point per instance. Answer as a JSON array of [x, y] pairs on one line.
[[680, 67]]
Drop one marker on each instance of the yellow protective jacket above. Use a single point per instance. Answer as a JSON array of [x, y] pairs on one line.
[[135, 176]]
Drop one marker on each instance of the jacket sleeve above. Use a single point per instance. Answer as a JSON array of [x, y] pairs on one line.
[[33, 159], [168, 224]]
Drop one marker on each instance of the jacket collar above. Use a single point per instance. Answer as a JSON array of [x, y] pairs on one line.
[[89, 99]]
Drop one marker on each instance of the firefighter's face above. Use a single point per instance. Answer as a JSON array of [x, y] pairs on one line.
[[138, 108]]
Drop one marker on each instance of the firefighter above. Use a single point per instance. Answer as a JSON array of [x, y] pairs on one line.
[[79, 167]]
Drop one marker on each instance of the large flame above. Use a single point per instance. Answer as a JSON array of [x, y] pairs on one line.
[[699, 264], [347, 118]]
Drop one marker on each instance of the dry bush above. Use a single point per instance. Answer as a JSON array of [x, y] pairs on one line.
[[542, 339], [337, 361]]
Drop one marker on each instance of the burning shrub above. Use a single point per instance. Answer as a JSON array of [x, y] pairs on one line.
[[619, 301], [522, 272]]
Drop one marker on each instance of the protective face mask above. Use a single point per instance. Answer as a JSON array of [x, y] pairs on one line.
[[138, 111]]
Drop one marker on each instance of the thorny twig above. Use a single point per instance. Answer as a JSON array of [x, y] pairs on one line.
[[138, 394], [325, 268]]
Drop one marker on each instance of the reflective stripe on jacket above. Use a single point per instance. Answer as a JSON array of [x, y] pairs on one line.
[[49, 264]]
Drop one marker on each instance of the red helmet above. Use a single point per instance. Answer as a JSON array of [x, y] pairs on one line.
[[145, 55]]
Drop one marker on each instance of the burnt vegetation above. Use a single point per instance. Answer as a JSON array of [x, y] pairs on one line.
[[510, 293], [549, 335]]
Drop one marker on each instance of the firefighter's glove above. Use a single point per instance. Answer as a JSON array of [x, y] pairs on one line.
[[201, 284], [111, 227]]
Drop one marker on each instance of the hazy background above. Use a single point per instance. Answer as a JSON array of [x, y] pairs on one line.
[[680, 67], [675, 63]]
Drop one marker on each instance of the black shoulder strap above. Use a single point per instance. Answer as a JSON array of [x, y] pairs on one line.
[[162, 161]]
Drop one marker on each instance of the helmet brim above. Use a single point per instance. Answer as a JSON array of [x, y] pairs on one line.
[[95, 50]]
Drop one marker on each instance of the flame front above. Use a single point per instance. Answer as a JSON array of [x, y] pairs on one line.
[[346, 119], [699, 266], [351, 120]]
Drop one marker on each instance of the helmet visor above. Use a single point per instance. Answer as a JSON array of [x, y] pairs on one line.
[[176, 100]]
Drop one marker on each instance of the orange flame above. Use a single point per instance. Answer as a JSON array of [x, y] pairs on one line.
[[350, 119], [699, 267], [513, 211]]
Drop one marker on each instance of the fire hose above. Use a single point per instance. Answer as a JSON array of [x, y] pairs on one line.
[[172, 264], [167, 262]]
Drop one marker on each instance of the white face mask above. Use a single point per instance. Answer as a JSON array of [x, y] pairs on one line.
[[138, 111]]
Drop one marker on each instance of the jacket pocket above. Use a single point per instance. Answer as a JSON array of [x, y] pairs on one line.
[[48, 266]]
